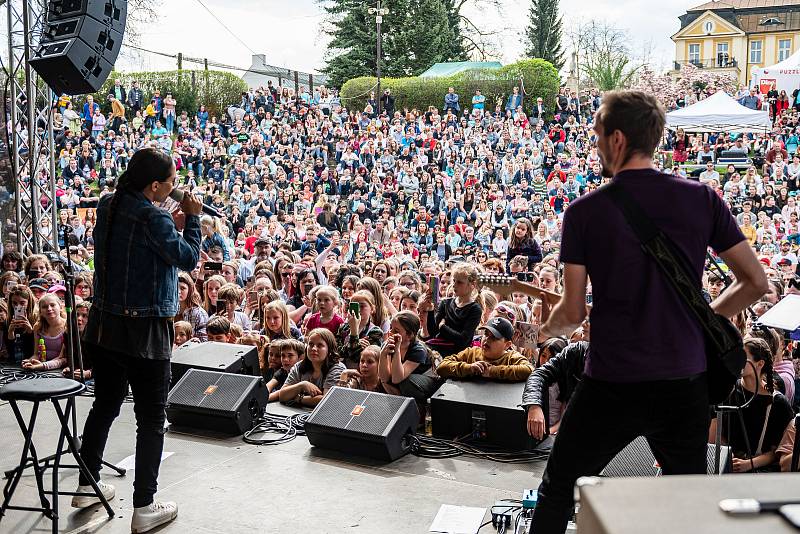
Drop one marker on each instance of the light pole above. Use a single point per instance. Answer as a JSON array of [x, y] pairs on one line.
[[379, 13]]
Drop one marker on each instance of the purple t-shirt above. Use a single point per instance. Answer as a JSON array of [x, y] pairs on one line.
[[641, 330]]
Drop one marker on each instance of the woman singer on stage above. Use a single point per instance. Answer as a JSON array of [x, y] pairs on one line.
[[129, 334]]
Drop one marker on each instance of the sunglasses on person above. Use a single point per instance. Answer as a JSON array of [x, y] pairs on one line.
[[507, 313]]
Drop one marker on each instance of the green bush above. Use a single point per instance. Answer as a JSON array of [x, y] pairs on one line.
[[540, 79], [216, 89]]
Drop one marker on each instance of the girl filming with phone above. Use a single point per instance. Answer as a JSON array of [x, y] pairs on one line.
[[19, 330], [358, 332]]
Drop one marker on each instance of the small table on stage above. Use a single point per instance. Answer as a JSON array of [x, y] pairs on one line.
[[683, 504]]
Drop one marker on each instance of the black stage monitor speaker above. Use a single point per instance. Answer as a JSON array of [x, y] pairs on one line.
[[79, 45], [637, 460], [363, 423], [219, 402], [488, 412], [214, 356]]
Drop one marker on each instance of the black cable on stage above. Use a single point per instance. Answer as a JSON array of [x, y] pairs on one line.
[[430, 447], [286, 427]]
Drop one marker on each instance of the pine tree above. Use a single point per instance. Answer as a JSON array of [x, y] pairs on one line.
[[427, 37], [457, 50], [543, 34], [353, 49], [416, 34]]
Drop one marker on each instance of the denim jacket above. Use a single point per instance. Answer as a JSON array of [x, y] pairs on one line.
[[144, 256]]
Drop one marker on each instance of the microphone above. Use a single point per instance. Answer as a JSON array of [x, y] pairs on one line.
[[177, 195]]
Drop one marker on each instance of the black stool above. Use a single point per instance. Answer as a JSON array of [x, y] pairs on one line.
[[36, 391]]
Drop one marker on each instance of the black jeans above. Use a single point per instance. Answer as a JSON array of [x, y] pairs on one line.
[[149, 382], [603, 417]]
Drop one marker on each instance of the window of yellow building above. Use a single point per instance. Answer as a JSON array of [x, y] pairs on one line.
[[756, 51], [694, 53], [784, 49]]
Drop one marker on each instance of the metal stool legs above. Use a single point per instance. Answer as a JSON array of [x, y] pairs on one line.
[[25, 461], [29, 458]]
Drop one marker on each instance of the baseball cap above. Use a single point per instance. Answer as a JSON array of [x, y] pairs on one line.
[[500, 328], [56, 288], [39, 283]]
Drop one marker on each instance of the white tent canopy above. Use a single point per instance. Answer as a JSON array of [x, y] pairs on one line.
[[785, 75], [719, 113]]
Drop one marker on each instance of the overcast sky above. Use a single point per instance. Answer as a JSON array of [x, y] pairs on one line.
[[289, 31]]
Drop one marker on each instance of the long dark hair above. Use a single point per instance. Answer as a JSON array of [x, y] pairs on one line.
[[333, 355], [146, 166], [759, 350]]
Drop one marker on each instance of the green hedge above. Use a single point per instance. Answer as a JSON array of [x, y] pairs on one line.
[[539, 76], [216, 89]]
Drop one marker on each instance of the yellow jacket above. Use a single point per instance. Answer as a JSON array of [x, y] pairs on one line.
[[511, 366], [117, 109]]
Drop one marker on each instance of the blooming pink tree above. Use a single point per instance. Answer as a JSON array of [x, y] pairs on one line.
[[693, 84]]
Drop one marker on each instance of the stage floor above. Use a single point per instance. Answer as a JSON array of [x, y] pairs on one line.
[[223, 485]]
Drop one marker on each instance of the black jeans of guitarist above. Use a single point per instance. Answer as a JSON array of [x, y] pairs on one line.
[[602, 418], [149, 382]]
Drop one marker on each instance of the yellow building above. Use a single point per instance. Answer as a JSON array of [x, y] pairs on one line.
[[738, 35]]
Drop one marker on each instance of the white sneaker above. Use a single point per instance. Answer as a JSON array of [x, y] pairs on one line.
[[149, 517], [86, 501]]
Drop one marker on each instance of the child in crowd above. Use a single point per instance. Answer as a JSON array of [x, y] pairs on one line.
[[277, 324], [451, 329], [290, 352], [259, 342], [396, 296], [366, 377], [18, 330], [211, 289], [327, 302], [183, 333], [765, 417], [312, 377], [49, 334], [82, 318], [404, 360], [358, 332], [496, 358], [273, 362], [219, 329], [232, 295], [410, 302], [522, 243]]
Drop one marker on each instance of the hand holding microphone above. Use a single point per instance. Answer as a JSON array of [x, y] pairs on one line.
[[191, 205]]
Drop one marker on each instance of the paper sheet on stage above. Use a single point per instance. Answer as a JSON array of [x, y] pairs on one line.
[[129, 463], [457, 519]]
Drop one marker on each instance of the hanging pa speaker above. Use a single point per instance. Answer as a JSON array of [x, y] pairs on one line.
[[108, 12], [79, 45], [363, 423]]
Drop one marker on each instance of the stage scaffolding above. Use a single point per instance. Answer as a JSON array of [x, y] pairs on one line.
[[29, 103]]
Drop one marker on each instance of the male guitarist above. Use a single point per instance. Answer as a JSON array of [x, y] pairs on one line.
[[645, 370]]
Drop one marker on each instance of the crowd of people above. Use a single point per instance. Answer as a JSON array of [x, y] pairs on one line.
[[352, 244]]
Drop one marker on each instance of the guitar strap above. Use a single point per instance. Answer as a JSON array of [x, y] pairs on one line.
[[673, 265]]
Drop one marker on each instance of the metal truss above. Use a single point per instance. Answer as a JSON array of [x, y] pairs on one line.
[[31, 140]]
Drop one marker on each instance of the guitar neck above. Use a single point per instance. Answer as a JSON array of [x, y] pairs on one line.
[[533, 291], [507, 285]]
